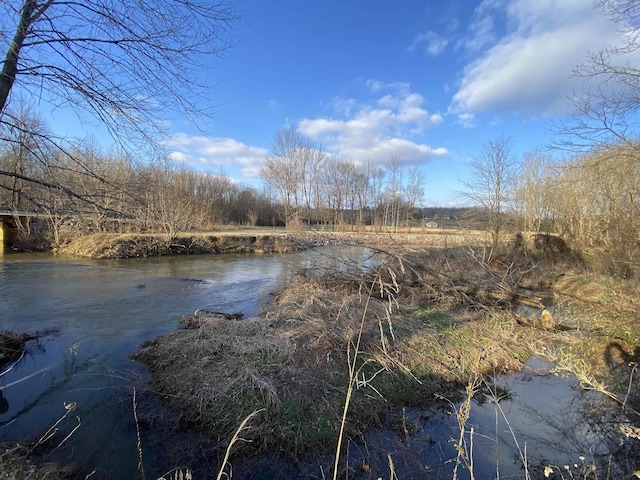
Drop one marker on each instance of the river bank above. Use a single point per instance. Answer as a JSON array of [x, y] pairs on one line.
[[114, 246], [428, 322], [410, 332]]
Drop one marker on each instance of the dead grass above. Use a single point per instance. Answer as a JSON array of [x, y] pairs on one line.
[[150, 245], [17, 462], [253, 240]]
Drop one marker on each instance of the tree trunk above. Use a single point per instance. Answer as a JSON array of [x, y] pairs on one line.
[[10, 64]]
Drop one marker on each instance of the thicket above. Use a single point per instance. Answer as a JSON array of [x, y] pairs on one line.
[[592, 200]]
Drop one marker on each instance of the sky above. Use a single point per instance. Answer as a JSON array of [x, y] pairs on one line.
[[429, 82]]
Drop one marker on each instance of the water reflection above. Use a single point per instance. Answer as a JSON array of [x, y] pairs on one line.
[[98, 313], [4, 404]]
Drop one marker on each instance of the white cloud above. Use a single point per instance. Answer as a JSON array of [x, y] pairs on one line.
[[374, 85], [467, 120], [379, 129], [431, 42], [273, 105], [202, 152], [530, 68]]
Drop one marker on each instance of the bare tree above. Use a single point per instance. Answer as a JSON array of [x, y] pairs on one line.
[[22, 152], [606, 112], [532, 189], [594, 200], [415, 191], [335, 185], [292, 170], [491, 183], [123, 61], [394, 193]]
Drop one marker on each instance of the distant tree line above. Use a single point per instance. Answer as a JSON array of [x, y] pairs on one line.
[[313, 187], [591, 199], [79, 188]]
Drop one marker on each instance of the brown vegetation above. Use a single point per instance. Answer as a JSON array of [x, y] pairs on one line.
[[18, 462], [424, 323], [134, 246], [12, 345], [250, 241]]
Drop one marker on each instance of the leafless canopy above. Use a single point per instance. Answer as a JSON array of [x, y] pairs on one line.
[[606, 111], [124, 61], [490, 184]]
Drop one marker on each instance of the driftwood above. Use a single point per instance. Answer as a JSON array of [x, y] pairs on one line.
[[203, 316]]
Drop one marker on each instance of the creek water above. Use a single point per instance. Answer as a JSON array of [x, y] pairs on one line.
[[95, 314]]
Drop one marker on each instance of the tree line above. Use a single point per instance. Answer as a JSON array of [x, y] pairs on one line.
[[80, 188], [313, 187], [590, 199]]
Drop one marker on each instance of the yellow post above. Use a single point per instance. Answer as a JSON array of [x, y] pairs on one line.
[[2, 227]]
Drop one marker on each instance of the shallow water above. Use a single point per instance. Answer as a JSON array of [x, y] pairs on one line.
[[102, 311], [539, 420], [97, 314]]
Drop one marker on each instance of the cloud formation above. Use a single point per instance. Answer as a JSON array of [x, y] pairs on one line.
[[530, 50], [201, 152], [430, 42], [379, 129]]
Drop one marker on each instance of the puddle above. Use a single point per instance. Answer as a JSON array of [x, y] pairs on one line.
[[540, 422]]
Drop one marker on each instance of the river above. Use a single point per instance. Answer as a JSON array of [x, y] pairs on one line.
[[95, 314]]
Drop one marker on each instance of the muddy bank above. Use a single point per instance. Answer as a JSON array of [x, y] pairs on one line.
[[137, 246], [251, 241]]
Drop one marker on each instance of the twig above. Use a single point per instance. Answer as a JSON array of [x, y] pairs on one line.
[[631, 375], [139, 444], [522, 453], [352, 371], [69, 407], [234, 439], [70, 434]]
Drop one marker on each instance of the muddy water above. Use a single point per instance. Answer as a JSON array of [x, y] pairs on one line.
[[97, 313]]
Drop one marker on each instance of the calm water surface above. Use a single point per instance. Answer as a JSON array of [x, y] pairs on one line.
[[99, 313]]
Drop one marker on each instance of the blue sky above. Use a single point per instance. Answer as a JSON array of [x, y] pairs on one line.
[[427, 81]]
